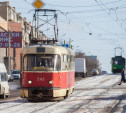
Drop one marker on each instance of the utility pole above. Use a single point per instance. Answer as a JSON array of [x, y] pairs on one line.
[[38, 24], [9, 45], [70, 43]]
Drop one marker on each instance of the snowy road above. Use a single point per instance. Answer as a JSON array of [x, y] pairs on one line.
[[97, 94]]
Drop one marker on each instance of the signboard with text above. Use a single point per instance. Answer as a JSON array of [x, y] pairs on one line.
[[15, 39]]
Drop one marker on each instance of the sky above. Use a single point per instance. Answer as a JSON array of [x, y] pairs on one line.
[[77, 19]]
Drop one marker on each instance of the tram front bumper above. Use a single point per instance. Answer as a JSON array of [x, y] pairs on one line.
[[42, 93]]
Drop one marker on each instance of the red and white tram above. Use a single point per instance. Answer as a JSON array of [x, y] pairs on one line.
[[47, 72]]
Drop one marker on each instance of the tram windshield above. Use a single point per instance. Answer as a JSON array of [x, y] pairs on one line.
[[41, 62], [119, 62]]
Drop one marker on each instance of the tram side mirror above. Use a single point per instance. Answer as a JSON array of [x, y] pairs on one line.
[[66, 66]]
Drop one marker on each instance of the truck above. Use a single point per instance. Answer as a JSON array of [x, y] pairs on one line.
[[4, 86], [80, 67]]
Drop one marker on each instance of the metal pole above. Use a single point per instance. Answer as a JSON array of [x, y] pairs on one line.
[[9, 45], [55, 26], [38, 24], [35, 23], [70, 43], [115, 51]]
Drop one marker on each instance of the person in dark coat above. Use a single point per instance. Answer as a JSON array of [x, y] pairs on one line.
[[122, 77]]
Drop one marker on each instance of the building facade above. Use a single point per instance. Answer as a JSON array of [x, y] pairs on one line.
[[12, 21]]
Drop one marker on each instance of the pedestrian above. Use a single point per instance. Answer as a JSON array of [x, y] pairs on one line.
[[122, 77]]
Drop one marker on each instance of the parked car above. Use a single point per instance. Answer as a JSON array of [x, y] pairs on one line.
[[94, 72], [4, 86], [16, 74], [104, 72]]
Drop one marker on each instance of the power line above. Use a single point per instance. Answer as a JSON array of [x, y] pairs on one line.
[[93, 16], [83, 6], [102, 4], [98, 10]]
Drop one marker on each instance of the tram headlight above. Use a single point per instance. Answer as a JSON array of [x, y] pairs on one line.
[[29, 82], [50, 82]]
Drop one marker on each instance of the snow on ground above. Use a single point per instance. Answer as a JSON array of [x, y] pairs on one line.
[[92, 94]]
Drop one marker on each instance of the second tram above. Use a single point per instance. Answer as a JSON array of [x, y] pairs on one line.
[[118, 63]]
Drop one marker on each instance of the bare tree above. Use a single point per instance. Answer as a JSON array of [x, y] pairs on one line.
[[90, 63]]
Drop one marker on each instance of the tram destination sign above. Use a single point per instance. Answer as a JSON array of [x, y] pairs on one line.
[[15, 39]]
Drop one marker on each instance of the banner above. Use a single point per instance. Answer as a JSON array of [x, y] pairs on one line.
[[15, 39]]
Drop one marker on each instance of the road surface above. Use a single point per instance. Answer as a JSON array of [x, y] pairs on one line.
[[96, 94]]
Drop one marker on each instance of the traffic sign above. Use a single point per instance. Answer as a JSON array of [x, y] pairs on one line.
[[38, 4]]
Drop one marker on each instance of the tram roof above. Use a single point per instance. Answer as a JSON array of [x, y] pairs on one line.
[[49, 49]]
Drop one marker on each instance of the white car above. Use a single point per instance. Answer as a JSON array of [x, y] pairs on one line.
[[94, 72], [4, 86], [15, 74], [104, 72]]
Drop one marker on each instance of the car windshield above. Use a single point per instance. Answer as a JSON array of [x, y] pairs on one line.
[[41, 62], [94, 70], [104, 71], [16, 72], [3, 76]]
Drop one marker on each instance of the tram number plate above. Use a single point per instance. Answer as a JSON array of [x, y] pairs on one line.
[[40, 49], [40, 79]]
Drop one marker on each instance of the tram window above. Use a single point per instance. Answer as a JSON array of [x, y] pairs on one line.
[[68, 58], [42, 62], [64, 62], [45, 61], [116, 62], [121, 62], [30, 62], [64, 58], [25, 63], [57, 63], [72, 64], [72, 58]]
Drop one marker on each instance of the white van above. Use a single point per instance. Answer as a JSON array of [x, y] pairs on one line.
[[4, 86]]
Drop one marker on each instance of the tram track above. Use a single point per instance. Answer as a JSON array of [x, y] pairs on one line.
[[78, 92], [117, 103], [102, 79], [20, 101], [80, 105]]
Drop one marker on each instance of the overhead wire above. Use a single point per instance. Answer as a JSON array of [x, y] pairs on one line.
[[83, 6], [80, 27], [101, 5], [98, 10], [73, 20], [70, 20], [95, 16]]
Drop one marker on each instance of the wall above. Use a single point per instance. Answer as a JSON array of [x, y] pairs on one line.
[[3, 10], [15, 27]]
